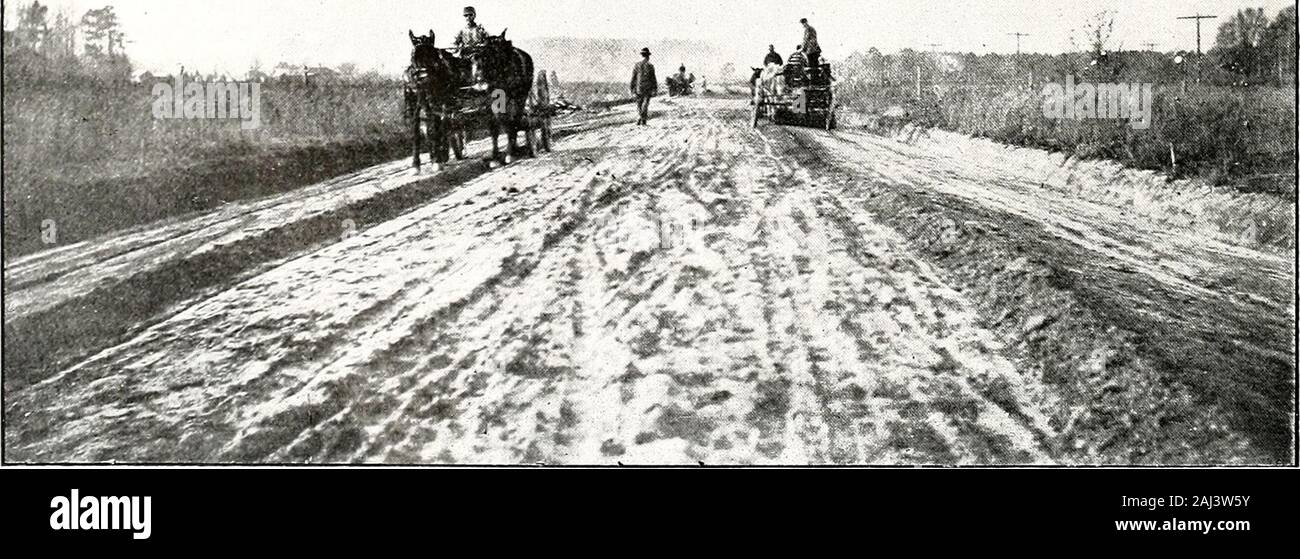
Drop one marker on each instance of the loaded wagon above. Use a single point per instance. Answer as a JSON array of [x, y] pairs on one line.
[[799, 95]]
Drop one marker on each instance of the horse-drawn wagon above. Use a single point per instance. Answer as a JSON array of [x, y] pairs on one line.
[[491, 84], [680, 85], [795, 94]]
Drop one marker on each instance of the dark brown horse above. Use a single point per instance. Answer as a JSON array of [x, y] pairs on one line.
[[503, 76], [432, 85]]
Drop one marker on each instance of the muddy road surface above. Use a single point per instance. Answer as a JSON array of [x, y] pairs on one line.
[[694, 291]]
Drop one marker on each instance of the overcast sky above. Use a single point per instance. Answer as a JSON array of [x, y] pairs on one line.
[[229, 34]]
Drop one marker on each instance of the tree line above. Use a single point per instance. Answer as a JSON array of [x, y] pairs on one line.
[[1250, 49], [1257, 50], [44, 47], [41, 46]]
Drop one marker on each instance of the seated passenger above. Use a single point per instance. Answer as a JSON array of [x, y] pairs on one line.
[[772, 57], [798, 58], [681, 76], [796, 68]]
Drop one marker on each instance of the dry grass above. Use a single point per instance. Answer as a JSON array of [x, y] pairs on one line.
[[1243, 137], [57, 133], [92, 157], [61, 133]]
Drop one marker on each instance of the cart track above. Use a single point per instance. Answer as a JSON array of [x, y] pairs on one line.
[[695, 291]]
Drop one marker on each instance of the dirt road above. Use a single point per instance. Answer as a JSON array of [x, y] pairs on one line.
[[695, 291]]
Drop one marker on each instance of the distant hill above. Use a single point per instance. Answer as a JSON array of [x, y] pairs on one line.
[[605, 60]]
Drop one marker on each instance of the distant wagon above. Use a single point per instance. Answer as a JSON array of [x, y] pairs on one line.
[[678, 86], [799, 95]]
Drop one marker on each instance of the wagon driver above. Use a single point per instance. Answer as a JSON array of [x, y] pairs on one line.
[[473, 34]]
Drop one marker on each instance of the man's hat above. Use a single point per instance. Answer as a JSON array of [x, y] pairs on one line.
[[645, 52], [804, 20], [469, 11], [683, 68]]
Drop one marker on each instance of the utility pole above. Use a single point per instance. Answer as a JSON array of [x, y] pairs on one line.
[[1198, 17], [1018, 36]]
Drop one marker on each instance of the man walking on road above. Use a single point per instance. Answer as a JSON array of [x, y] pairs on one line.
[[810, 46], [644, 86]]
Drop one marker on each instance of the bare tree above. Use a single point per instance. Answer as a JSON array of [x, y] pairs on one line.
[[255, 73], [1098, 32], [1096, 38]]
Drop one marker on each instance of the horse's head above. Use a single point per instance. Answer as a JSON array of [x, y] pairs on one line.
[[758, 73], [432, 67], [424, 54]]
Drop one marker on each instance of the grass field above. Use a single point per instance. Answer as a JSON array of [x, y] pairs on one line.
[[91, 158], [1243, 137], [73, 134]]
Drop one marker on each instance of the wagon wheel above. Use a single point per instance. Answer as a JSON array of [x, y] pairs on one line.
[[542, 110], [830, 111], [456, 136]]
